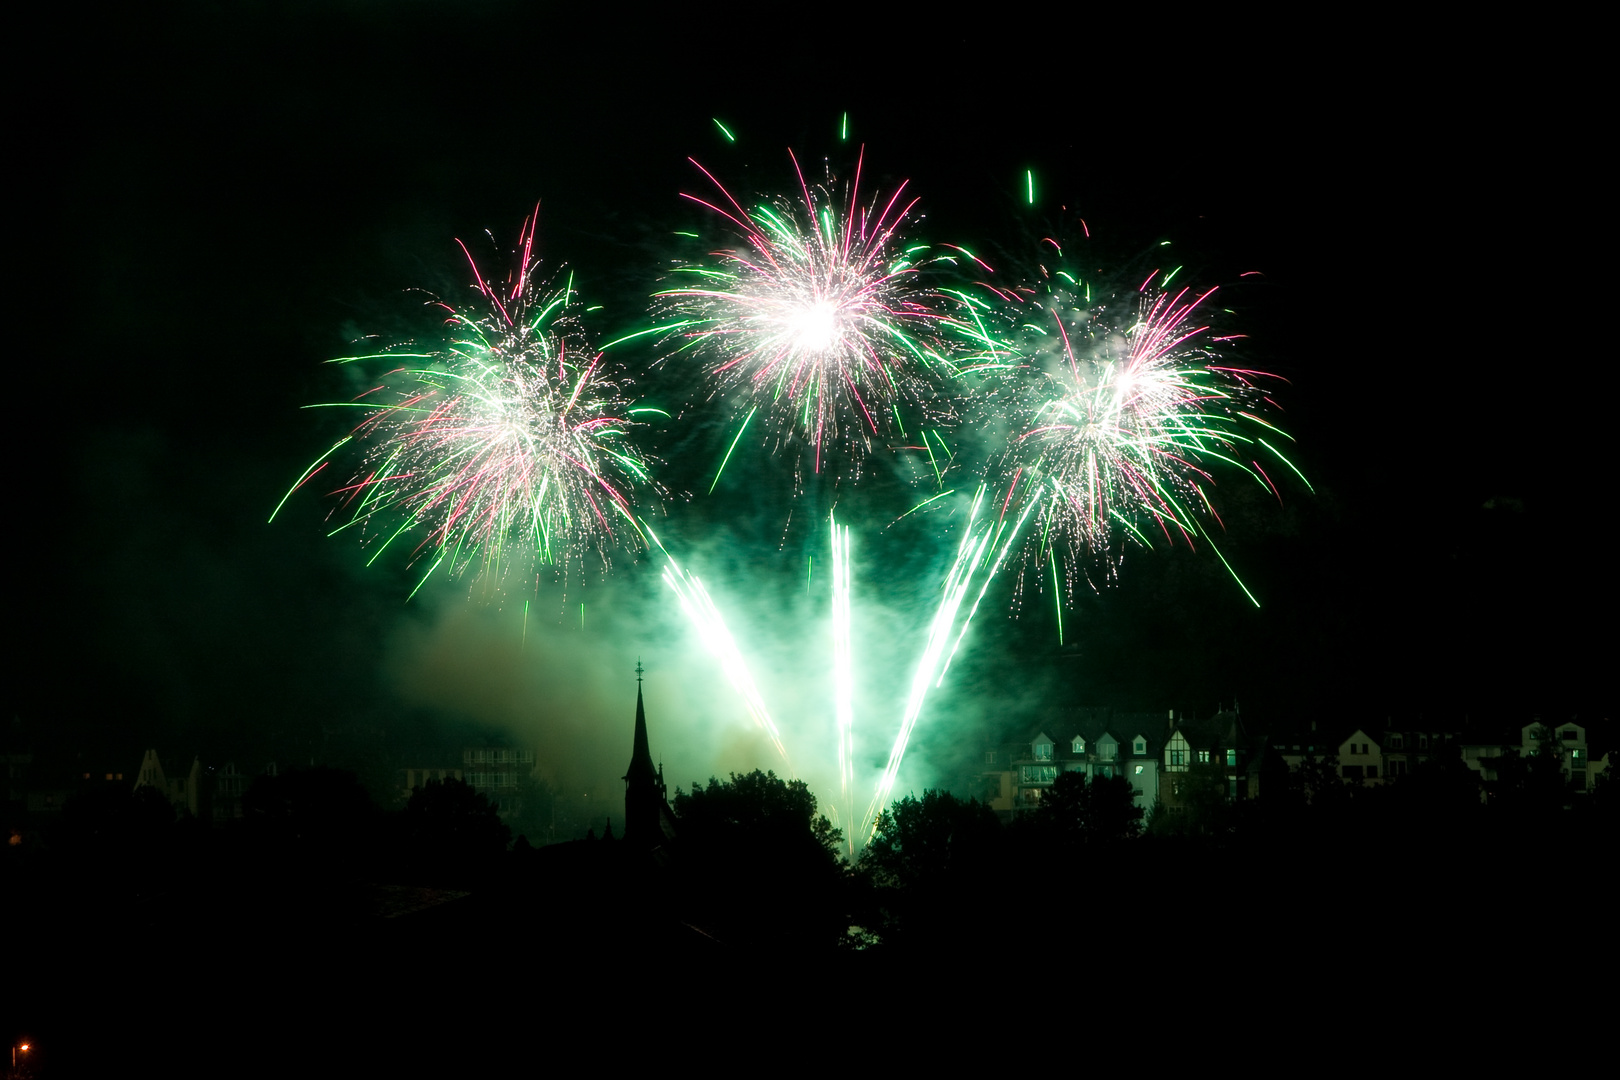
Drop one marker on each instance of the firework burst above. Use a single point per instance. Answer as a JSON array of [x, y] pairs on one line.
[[819, 322], [510, 437], [1128, 410]]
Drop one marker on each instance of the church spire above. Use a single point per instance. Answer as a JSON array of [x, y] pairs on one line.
[[643, 784], [641, 762]]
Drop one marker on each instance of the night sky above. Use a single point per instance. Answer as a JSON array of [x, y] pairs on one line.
[[220, 201]]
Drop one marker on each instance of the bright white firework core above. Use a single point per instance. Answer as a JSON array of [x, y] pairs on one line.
[[814, 327]]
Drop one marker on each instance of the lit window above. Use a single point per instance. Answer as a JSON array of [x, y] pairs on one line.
[[1043, 751], [1203, 757], [1139, 769], [1231, 757], [1079, 745]]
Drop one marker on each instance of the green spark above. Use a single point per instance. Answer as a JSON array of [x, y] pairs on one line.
[[649, 330], [1057, 597], [1029, 185], [732, 447], [1286, 462], [725, 131], [926, 501], [525, 639], [1229, 569], [582, 616], [843, 129], [425, 576], [307, 473]]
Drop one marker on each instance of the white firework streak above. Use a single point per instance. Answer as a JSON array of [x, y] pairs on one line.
[[977, 541], [843, 672], [711, 628]]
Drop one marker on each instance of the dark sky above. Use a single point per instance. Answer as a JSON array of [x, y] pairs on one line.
[[226, 197]]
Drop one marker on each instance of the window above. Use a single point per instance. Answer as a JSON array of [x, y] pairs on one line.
[[1176, 757], [1231, 758], [1139, 769], [1423, 742], [1079, 745], [1395, 741], [1203, 757], [989, 757], [1140, 746], [1569, 735], [1043, 751]]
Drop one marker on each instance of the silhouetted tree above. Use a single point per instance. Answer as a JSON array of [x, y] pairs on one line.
[[1077, 812], [315, 815], [111, 819], [920, 841], [450, 831], [534, 816], [760, 865], [755, 808], [935, 867]]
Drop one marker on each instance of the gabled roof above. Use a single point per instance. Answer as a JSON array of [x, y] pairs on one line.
[[1091, 724]]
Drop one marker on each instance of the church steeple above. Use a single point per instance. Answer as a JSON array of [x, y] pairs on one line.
[[644, 795]]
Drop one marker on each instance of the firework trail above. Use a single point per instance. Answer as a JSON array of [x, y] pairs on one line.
[[819, 322], [983, 548], [843, 671], [711, 626], [510, 433]]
